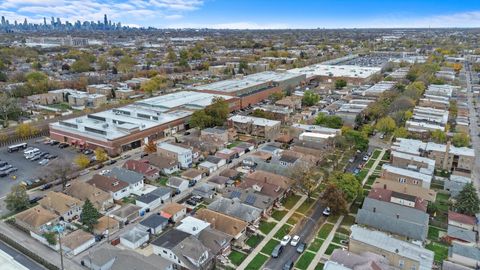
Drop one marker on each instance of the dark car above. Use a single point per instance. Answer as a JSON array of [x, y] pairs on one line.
[[3, 163], [110, 162], [288, 265], [47, 186], [63, 145], [98, 166], [143, 155], [301, 247], [53, 142], [52, 156], [3, 174], [277, 251], [35, 199], [191, 202]]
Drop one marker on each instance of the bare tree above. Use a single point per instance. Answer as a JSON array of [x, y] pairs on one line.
[[306, 178], [60, 169], [8, 106]]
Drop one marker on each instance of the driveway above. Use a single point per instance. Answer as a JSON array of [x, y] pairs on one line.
[[306, 232]]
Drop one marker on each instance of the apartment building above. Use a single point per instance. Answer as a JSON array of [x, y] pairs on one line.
[[410, 176], [261, 127], [183, 155]]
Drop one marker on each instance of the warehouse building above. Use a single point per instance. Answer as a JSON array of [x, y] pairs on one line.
[[329, 73]]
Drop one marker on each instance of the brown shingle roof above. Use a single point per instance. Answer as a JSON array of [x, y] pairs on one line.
[[36, 216], [172, 208], [271, 178], [227, 224], [191, 173], [106, 183], [160, 162], [461, 218], [76, 239], [59, 202], [84, 191]]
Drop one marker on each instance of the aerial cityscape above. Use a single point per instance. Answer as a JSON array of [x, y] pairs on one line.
[[224, 134]]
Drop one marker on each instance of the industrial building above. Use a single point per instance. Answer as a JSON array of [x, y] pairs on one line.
[[329, 73]]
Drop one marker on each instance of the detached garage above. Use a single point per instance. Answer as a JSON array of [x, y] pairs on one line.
[[134, 238], [77, 242]]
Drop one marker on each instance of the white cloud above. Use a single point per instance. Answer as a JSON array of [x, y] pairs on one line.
[[233, 25]]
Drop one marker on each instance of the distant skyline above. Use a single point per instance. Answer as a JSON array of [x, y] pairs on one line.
[[253, 14]]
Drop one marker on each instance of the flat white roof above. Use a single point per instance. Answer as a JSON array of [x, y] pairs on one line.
[[254, 120], [317, 129], [348, 71], [188, 99], [414, 174], [173, 148], [192, 225]]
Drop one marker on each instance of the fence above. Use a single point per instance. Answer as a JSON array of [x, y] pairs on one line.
[[12, 138]]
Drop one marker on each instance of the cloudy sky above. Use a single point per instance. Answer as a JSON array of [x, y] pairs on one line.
[[253, 14]]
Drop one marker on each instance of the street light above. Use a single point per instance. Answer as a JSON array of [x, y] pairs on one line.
[[58, 229]]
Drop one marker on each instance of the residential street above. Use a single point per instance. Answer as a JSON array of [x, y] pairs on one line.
[[474, 129]]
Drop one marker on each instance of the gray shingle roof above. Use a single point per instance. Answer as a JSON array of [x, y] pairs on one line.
[[465, 251], [234, 208], [462, 234], [125, 175], [170, 239], [154, 221], [382, 215]]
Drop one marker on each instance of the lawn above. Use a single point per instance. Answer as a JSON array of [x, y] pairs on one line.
[[331, 248], [278, 214], [386, 156], [319, 266], [162, 181], [304, 261], [294, 219], [442, 197], [237, 257], [348, 220], [369, 164], [376, 153], [305, 206], [315, 245], [233, 144], [371, 179], [129, 199], [284, 230], [441, 251], [257, 262], [325, 230], [266, 227], [339, 237], [268, 248], [361, 175], [291, 200], [333, 218], [254, 240], [434, 233]]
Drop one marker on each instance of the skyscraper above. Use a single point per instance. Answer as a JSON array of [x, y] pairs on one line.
[[105, 20], [3, 20]]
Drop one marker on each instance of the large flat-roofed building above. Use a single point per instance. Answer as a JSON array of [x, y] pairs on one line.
[[377, 89], [128, 127], [254, 88], [330, 73], [446, 156], [427, 119], [255, 126]]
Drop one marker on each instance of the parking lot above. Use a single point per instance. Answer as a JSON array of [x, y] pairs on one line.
[[29, 169]]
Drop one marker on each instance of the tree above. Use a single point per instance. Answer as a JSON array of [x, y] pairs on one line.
[[438, 136], [82, 161], [17, 200], [400, 132], [310, 98], [59, 169], [81, 65], [347, 183], [359, 140], [25, 130], [154, 84], [306, 178], [330, 121], [386, 124], [453, 108], [276, 96], [341, 83], [461, 139], [262, 114], [126, 64], [415, 90], [51, 238], [334, 198], [8, 107], [468, 202], [218, 111], [100, 154], [150, 147], [102, 63], [200, 119], [89, 215], [171, 56]]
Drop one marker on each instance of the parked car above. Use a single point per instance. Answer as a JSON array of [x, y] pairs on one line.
[[44, 161], [326, 211], [351, 160], [103, 172], [63, 145], [54, 142], [3, 163], [87, 152], [143, 155], [301, 247], [6, 167], [35, 158], [285, 240], [365, 158], [277, 251], [47, 186], [127, 156], [3, 174], [10, 170], [288, 265], [191, 202], [110, 162], [356, 171], [295, 240], [98, 166], [35, 199]]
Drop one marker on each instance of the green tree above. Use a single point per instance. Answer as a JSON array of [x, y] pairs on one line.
[[51, 238], [386, 124], [200, 119], [276, 96], [331, 121], [306, 178], [262, 114], [415, 90], [17, 200], [8, 108], [102, 63], [218, 111], [334, 198], [126, 64], [400, 132], [347, 183], [438, 136], [25, 130], [461, 139], [81, 65], [154, 84], [357, 138], [310, 98], [171, 55], [36, 82], [100, 154], [82, 161], [341, 83], [467, 201], [89, 215]]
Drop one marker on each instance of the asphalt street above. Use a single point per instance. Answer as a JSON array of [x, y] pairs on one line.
[[474, 128], [19, 257]]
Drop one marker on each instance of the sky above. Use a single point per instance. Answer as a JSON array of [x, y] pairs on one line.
[[253, 14]]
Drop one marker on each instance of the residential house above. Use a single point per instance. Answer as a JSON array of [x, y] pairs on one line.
[[346, 260], [102, 200], [234, 208], [462, 228], [231, 173], [251, 197], [271, 190], [134, 238], [134, 179], [231, 226], [142, 167], [106, 225], [184, 156], [36, 219], [227, 154], [219, 182], [178, 184], [127, 213], [394, 212], [173, 211], [401, 254], [192, 174], [164, 164], [77, 242], [271, 178], [455, 183], [411, 177], [148, 201], [464, 255], [395, 185], [163, 193], [192, 225], [269, 129], [107, 257], [183, 249], [218, 242], [204, 190], [65, 206], [116, 188], [218, 161], [207, 167], [153, 224], [219, 134]]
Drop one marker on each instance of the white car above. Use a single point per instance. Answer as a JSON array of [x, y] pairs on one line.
[[295, 241], [44, 161], [365, 158], [285, 240], [103, 172], [326, 211]]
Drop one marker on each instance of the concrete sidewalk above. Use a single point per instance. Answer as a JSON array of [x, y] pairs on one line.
[[326, 243], [270, 235]]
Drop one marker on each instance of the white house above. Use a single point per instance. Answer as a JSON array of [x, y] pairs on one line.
[[134, 238], [184, 156], [178, 183], [77, 242], [134, 179]]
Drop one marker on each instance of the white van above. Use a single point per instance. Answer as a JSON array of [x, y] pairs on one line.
[[29, 154]]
